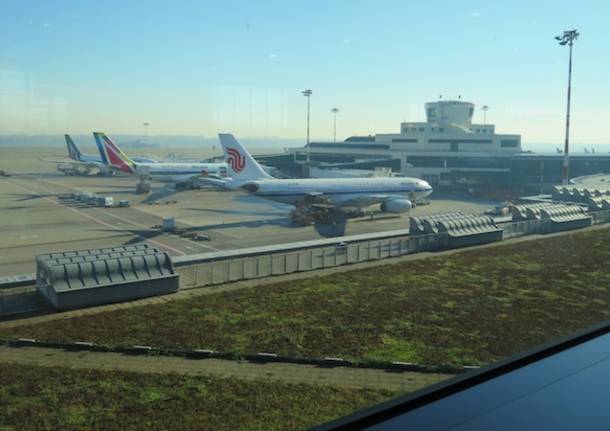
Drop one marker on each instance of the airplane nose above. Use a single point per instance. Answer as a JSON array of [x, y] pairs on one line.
[[424, 185]]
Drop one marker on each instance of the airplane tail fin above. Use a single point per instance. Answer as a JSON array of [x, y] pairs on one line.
[[112, 155], [73, 151], [240, 164]]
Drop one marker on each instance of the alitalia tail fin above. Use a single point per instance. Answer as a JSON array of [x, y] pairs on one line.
[[112, 155], [73, 151]]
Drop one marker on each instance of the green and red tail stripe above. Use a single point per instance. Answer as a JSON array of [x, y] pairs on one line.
[[112, 155]]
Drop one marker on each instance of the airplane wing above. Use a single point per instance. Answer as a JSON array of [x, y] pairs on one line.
[[212, 181], [160, 194], [71, 161]]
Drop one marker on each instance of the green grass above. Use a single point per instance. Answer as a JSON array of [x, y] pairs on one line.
[[470, 307], [34, 397]]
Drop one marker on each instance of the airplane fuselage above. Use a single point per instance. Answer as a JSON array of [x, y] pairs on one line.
[[179, 172], [342, 192]]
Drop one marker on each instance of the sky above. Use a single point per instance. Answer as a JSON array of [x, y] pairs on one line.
[[199, 68]]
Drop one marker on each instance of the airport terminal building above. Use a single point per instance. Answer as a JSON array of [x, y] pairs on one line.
[[447, 150]]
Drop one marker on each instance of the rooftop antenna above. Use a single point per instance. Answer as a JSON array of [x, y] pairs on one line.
[[459, 96], [146, 124], [440, 96], [484, 108]]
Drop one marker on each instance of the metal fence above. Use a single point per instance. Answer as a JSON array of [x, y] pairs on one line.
[[526, 227], [600, 216], [246, 268]]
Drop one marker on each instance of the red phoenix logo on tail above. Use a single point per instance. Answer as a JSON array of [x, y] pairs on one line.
[[236, 160]]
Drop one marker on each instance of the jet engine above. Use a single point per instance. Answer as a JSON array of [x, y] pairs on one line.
[[396, 206]]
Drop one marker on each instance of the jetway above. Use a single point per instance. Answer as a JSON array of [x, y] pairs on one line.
[[82, 278]]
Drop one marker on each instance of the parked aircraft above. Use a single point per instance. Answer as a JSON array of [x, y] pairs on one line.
[[188, 173], [87, 162], [315, 197]]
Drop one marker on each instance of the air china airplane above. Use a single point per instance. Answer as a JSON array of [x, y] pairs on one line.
[[114, 157], [394, 194]]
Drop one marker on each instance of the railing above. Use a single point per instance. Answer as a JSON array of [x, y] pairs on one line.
[[286, 262]]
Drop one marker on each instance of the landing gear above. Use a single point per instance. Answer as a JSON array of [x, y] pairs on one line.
[[302, 215], [356, 213], [306, 215], [142, 187], [412, 198]]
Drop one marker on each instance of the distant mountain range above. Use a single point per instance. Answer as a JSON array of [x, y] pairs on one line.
[[157, 141], [186, 141]]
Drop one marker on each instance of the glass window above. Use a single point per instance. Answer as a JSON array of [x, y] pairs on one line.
[[165, 81]]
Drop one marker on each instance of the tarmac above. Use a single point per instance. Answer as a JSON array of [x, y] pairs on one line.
[[37, 219]]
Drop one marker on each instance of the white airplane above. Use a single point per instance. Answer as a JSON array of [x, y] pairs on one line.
[[114, 157], [87, 161], [394, 194]]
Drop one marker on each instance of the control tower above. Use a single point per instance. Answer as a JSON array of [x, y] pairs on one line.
[[448, 113]]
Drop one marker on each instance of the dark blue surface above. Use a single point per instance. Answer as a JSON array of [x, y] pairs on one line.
[[566, 391]]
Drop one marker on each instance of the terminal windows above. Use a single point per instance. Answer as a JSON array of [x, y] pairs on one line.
[[440, 129], [511, 143], [422, 129]]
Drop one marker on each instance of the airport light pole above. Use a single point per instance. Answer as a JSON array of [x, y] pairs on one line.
[[484, 108], [567, 38], [307, 93], [146, 134], [335, 111]]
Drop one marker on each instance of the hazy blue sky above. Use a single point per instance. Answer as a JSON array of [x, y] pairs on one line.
[[194, 67]]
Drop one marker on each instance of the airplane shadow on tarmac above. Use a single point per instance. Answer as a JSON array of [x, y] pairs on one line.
[[240, 212], [324, 230], [30, 196]]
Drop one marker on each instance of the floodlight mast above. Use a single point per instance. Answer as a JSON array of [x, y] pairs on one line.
[[307, 93], [567, 38], [335, 111]]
